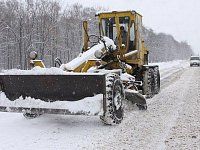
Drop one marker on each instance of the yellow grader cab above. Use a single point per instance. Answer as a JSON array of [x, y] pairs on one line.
[[115, 65]]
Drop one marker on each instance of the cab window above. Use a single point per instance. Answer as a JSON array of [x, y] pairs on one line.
[[109, 28], [124, 26], [132, 37]]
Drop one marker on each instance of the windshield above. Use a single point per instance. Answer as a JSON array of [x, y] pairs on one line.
[[124, 25], [194, 58], [109, 28]]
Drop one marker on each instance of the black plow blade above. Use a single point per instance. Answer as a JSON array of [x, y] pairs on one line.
[[136, 98], [53, 87]]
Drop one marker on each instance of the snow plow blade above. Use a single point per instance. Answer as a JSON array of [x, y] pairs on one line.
[[136, 98], [52, 88]]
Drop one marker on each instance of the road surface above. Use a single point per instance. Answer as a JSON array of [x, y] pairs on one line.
[[172, 121]]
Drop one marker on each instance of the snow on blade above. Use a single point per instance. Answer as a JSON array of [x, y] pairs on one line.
[[91, 105], [43, 71], [36, 71]]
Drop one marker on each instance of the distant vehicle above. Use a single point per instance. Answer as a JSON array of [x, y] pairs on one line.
[[194, 61]]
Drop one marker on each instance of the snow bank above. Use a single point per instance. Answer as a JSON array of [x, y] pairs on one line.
[[90, 105], [171, 67], [171, 64]]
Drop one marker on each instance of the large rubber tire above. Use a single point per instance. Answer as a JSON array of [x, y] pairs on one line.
[[114, 100], [156, 80], [148, 83]]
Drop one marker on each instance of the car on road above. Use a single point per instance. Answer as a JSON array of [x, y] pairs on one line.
[[194, 61]]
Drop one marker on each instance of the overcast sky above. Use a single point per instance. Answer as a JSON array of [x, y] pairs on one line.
[[181, 18]]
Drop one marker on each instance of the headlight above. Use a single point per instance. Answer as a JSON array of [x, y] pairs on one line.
[[33, 54], [98, 54]]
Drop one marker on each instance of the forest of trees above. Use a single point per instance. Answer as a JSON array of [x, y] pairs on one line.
[[163, 47], [53, 31]]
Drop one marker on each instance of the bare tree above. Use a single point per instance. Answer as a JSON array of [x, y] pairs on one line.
[[42, 25]]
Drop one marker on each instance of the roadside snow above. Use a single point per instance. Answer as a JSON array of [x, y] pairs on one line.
[[171, 67], [89, 105], [185, 133], [171, 64]]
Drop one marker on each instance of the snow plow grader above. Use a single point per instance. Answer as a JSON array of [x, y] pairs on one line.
[[113, 66]]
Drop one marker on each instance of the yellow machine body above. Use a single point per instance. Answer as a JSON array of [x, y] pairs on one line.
[[109, 26], [37, 63], [133, 51], [116, 71]]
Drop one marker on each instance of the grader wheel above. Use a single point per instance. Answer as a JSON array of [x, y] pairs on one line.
[[151, 82], [156, 80], [148, 83], [114, 99]]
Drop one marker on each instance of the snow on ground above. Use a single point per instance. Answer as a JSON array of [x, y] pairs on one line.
[[169, 68], [154, 129], [171, 122], [88, 105], [185, 134]]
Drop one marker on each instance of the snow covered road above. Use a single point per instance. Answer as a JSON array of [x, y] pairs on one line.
[[171, 122]]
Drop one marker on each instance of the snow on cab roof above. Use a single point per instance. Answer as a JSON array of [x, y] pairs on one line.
[[115, 11]]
